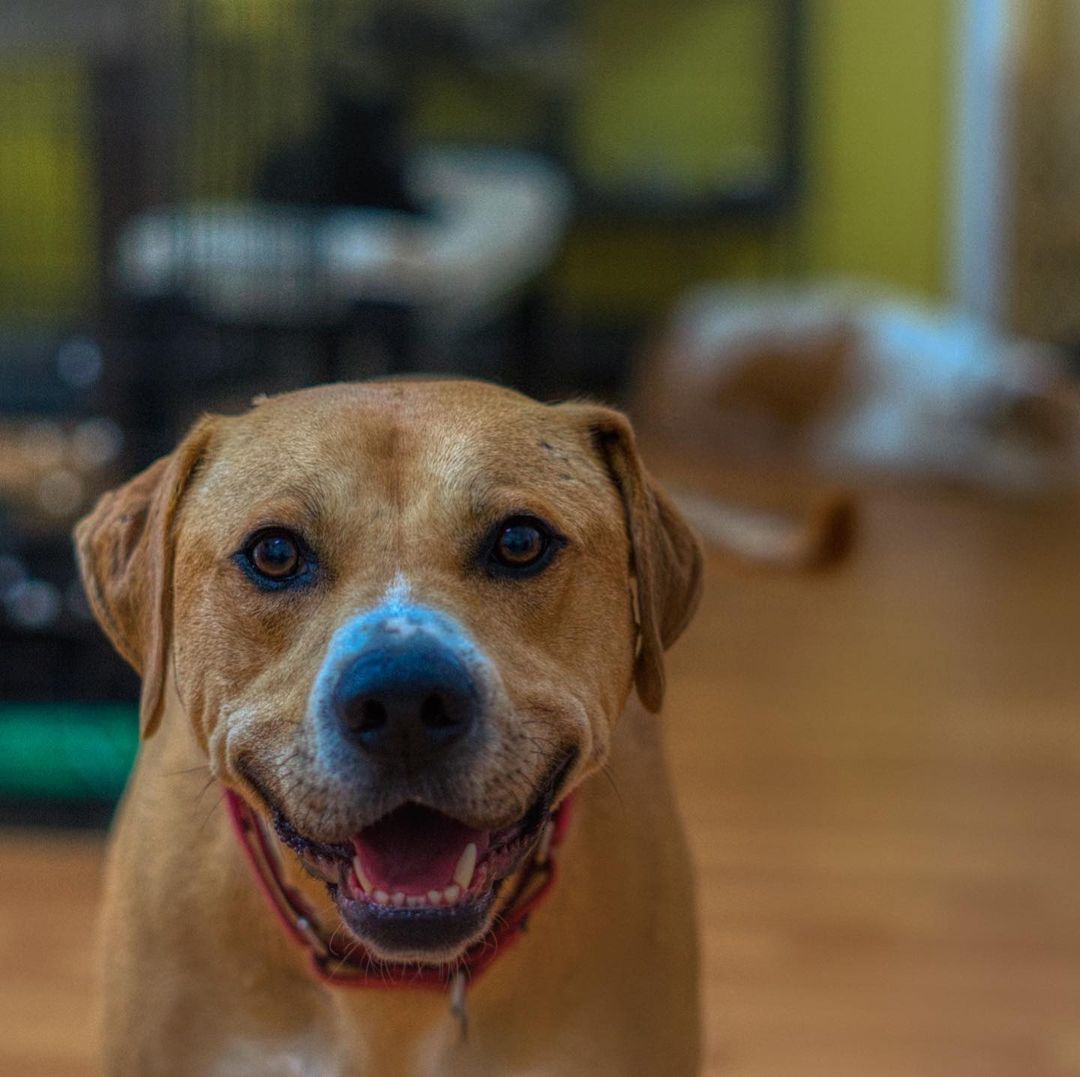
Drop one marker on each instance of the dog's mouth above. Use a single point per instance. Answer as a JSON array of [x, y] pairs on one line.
[[418, 884]]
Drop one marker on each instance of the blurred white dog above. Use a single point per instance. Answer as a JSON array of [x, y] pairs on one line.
[[858, 383]]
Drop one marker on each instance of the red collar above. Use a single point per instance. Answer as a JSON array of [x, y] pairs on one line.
[[355, 967]]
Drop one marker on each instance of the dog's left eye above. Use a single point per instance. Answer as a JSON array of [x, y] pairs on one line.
[[274, 556], [522, 544]]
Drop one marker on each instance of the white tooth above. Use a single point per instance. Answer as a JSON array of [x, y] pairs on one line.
[[451, 894], [434, 897], [398, 898], [361, 878], [414, 901], [381, 897], [466, 865]]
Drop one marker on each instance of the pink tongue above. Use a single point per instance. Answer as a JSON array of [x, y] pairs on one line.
[[415, 849]]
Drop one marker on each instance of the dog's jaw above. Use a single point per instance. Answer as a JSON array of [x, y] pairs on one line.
[[419, 886]]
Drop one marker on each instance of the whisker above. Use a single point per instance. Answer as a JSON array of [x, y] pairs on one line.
[[202, 791], [186, 770], [610, 778], [213, 808]]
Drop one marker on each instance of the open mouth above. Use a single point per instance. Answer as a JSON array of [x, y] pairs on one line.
[[419, 884]]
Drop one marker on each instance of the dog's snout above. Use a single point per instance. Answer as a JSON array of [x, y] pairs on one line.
[[405, 701]]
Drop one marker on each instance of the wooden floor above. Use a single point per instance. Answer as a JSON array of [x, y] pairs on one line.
[[880, 769]]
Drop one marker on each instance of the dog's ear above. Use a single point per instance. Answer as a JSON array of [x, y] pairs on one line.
[[125, 552], [666, 558]]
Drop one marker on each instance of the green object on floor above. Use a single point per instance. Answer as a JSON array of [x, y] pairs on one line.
[[66, 751]]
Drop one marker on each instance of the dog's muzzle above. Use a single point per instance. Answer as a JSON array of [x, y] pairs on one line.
[[400, 711]]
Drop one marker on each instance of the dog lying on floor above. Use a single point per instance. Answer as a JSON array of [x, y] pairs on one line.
[[399, 625], [857, 383]]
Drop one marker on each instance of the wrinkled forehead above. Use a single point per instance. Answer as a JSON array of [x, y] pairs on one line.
[[403, 451]]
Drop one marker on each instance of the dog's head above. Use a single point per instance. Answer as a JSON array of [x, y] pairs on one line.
[[403, 619]]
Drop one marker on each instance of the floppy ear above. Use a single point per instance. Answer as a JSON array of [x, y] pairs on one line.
[[125, 551], [666, 558]]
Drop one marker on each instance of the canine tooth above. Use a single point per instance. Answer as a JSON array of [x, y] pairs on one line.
[[361, 878], [414, 901], [398, 898], [434, 897], [382, 897], [466, 865], [451, 894]]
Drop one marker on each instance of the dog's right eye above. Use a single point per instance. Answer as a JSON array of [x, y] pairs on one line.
[[274, 557], [521, 546]]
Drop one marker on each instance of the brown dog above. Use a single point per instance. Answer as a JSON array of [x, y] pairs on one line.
[[399, 623]]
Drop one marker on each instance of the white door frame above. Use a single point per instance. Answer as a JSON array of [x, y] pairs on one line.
[[978, 236]]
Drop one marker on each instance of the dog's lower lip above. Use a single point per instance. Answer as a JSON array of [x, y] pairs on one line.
[[415, 934]]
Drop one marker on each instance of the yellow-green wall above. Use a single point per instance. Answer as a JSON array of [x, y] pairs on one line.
[[877, 114], [879, 142]]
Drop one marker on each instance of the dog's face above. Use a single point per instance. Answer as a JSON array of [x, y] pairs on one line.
[[401, 621]]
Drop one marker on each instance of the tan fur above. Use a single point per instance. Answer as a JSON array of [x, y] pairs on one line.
[[389, 481], [793, 382], [768, 397]]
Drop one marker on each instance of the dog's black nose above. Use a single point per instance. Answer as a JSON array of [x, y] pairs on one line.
[[405, 699]]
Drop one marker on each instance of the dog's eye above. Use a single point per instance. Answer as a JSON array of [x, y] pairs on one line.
[[275, 555], [521, 543]]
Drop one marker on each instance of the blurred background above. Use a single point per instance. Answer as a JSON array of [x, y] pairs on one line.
[[812, 245]]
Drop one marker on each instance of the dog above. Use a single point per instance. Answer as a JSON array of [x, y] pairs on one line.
[[389, 634], [860, 384]]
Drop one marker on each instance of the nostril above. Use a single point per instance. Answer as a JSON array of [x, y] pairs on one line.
[[405, 702], [371, 718], [434, 714]]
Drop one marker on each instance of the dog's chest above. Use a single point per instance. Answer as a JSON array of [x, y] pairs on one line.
[[259, 1057], [427, 1055]]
